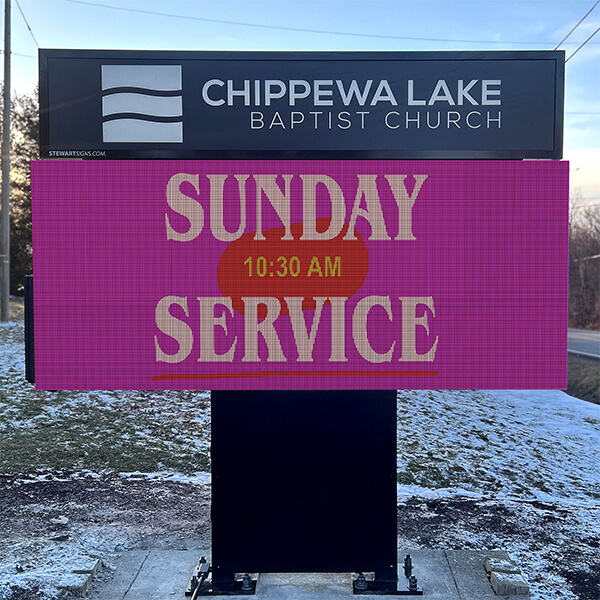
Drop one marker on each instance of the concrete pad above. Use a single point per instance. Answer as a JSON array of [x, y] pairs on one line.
[[303, 586], [433, 574], [468, 569], [125, 575], [164, 574]]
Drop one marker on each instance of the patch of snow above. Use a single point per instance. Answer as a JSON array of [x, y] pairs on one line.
[[201, 477], [526, 444]]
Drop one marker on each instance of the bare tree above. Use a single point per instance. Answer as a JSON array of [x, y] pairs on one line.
[[584, 266], [24, 149]]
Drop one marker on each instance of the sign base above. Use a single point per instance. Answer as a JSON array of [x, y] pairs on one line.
[[304, 482]]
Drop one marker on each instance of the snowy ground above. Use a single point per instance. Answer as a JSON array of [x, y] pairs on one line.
[[92, 474]]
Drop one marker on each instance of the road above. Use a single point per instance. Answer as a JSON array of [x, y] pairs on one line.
[[584, 342]]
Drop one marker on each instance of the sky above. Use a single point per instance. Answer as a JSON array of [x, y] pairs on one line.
[[383, 25]]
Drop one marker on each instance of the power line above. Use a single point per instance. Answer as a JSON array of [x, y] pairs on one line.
[[296, 29], [18, 54], [578, 24], [582, 45], [28, 26]]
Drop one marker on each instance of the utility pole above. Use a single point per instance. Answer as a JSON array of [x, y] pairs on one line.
[[5, 213]]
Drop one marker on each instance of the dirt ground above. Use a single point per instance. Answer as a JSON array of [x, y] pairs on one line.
[[51, 523], [30, 508], [101, 516], [547, 541]]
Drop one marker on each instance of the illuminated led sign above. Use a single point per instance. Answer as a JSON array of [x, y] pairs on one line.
[[300, 274]]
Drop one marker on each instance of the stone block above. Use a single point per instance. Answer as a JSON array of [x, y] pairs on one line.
[[509, 584], [76, 584], [501, 565], [87, 565]]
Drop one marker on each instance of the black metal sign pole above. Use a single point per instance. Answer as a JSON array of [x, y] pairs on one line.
[[304, 481]]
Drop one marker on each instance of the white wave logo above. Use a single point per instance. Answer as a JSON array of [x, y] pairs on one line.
[[142, 103]]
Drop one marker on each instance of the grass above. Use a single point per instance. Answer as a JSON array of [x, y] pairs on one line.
[[583, 378], [115, 431], [16, 309], [95, 437]]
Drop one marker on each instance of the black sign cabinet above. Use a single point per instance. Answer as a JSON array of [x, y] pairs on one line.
[[304, 480]]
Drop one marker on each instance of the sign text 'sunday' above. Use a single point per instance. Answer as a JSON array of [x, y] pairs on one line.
[[404, 190]]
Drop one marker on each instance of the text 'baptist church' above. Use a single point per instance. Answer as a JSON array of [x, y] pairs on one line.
[[329, 92]]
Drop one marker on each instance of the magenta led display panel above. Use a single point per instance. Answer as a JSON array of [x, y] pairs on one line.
[[300, 274]]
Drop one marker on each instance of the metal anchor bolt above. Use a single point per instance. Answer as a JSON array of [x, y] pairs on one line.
[[247, 582], [413, 586], [361, 582], [408, 566]]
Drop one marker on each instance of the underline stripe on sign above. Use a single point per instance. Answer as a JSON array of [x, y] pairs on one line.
[[298, 373]]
